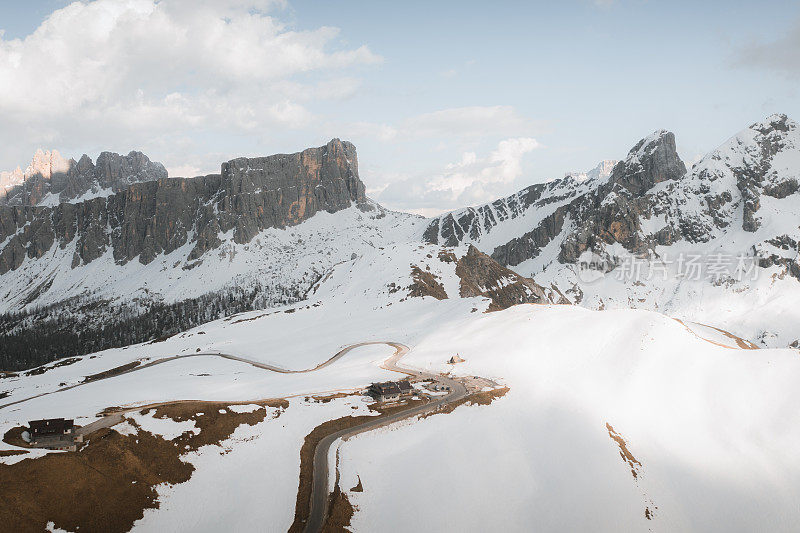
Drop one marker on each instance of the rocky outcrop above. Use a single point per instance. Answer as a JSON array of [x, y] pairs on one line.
[[53, 179], [159, 216], [653, 160], [481, 275]]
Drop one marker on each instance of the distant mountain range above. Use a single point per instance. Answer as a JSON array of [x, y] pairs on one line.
[[717, 242], [96, 245], [50, 179]]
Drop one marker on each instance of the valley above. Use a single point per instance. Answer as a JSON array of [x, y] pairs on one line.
[[536, 324]]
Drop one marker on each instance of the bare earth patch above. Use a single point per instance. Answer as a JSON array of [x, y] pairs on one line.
[[626, 455], [476, 398], [425, 284], [635, 467], [111, 480], [303, 504], [740, 342], [50, 366], [14, 437], [340, 510]]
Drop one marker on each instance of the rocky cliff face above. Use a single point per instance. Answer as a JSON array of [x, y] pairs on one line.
[[149, 218], [50, 179]]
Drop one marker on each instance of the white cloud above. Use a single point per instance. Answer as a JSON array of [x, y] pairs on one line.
[[470, 181], [466, 121], [457, 124], [781, 54], [127, 71]]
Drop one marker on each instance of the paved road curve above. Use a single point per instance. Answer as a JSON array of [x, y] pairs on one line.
[[320, 475]]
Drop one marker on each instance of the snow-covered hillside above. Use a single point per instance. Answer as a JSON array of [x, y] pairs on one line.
[[287, 260], [710, 432]]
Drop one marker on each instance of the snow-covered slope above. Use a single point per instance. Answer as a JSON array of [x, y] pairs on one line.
[[286, 260], [710, 432]]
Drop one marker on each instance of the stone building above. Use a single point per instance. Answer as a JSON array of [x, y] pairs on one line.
[[390, 390]]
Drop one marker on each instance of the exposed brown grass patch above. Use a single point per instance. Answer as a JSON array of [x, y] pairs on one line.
[[740, 342], [425, 284], [163, 338], [50, 366], [340, 510], [214, 419], [9, 453], [328, 398], [635, 466], [105, 487], [14, 437], [107, 484], [303, 503]]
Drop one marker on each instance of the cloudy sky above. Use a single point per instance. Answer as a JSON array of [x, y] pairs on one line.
[[449, 103]]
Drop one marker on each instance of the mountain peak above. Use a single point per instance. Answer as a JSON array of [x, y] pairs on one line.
[[652, 160], [52, 179], [774, 122]]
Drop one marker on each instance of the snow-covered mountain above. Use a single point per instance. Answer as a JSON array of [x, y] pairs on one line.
[[163, 256], [601, 171], [712, 243], [51, 179], [627, 419], [708, 244]]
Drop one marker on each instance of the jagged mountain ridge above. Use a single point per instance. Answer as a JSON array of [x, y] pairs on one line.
[[739, 201], [159, 216], [724, 189], [269, 231], [51, 179]]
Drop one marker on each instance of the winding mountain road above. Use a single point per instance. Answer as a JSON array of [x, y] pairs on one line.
[[321, 468], [257, 364]]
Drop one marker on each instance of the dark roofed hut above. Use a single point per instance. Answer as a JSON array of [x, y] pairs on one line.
[[52, 433], [390, 390], [384, 392]]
